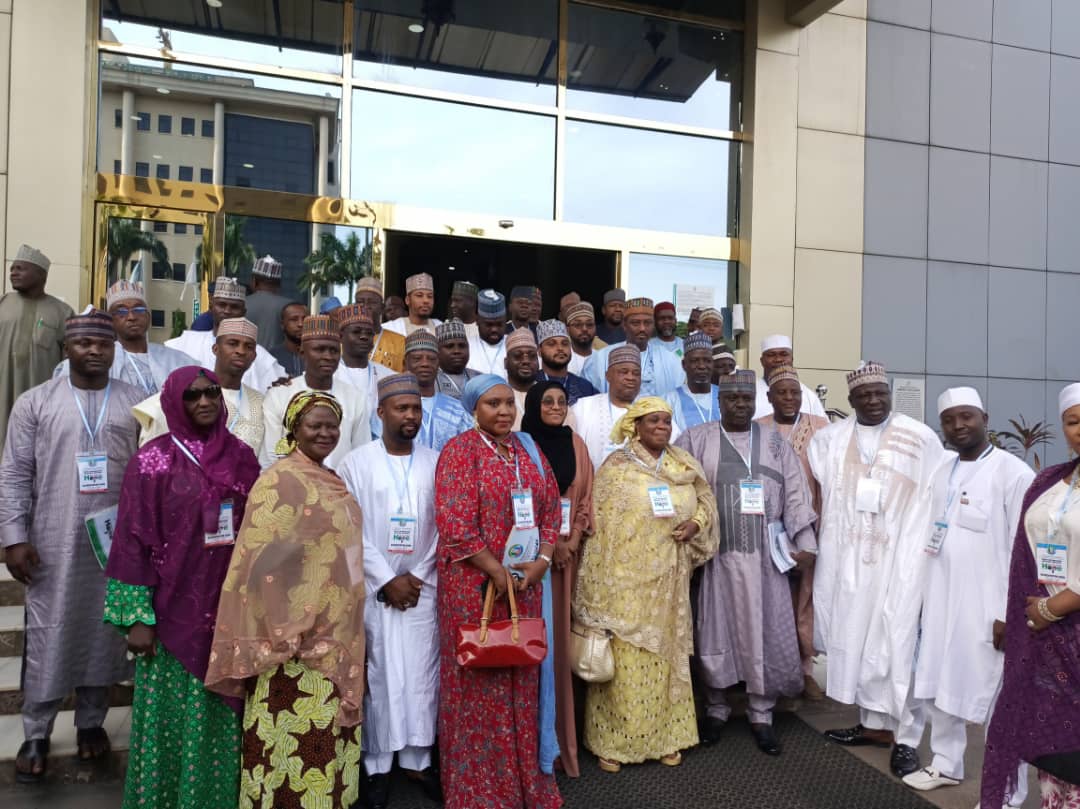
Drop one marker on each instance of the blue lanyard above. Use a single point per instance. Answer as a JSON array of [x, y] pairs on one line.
[[510, 448], [239, 407], [186, 451], [402, 489], [149, 388], [950, 491], [712, 407], [82, 412]]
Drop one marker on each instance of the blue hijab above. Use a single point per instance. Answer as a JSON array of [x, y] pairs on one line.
[[477, 387]]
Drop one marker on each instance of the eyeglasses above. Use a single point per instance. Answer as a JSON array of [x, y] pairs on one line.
[[560, 403], [123, 311], [211, 392]]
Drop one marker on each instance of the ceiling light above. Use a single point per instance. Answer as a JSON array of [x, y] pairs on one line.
[[164, 90], [451, 267], [214, 3], [249, 165], [416, 27]]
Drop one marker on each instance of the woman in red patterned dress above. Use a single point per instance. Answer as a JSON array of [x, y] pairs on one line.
[[488, 718]]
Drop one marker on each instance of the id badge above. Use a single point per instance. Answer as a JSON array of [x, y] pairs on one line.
[[868, 496], [523, 508], [402, 533], [660, 498], [564, 516], [1053, 563], [937, 537], [752, 497], [93, 472], [224, 533]]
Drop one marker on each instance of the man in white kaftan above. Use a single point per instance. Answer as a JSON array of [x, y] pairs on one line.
[[874, 469], [661, 371], [393, 480], [595, 416], [776, 351], [977, 499]]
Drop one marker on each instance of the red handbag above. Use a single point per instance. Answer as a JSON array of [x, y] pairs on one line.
[[501, 644]]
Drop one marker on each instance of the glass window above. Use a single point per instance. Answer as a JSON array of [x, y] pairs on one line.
[[157, 318], [620, 63], [118, 118], [686, 282], [161, 227], [116, 167], [638, 178], [142, 169], [164, 124], [502, 50], [305, 34], [179, 228], [160, 271], [162, 171], [179, 271], [206, 176], [187, 126], [197, 230], [185, 173], [443, 155], [144, 121], [207, 128]]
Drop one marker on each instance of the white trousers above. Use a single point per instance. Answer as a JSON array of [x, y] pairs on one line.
[[876, 720], [409, 758]]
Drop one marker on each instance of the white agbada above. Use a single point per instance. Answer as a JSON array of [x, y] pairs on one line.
[[869, 570], [355, 419], [577, 363], [592, 418], [486, 358], [366, 380], [145, 371], [199, 345], [967, 583], [811, 403], [402, 325], [401, 706]]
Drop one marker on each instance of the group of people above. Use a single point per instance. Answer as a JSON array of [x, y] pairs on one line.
[[281, 529]]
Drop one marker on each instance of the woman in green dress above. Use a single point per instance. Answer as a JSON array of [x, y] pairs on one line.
[[290, 627], [181, 502]]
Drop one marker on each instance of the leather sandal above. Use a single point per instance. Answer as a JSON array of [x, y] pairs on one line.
[[86, 739], [32, 753], [672, 759], [608, 765]]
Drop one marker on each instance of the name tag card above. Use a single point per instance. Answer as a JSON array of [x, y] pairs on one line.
[[402, 533], [660, 499], [224, 533], [937, 538], [752, 497], [93, 472], [564, 517], [1053, 563], [524, 517], [868, 496]]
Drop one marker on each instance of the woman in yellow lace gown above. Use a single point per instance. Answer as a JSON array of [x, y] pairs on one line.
[[656, 521]]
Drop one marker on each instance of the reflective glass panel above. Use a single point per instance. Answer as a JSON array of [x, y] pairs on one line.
[[638, 178], [271, 134], [619, 63], [304, 34], [504, 50], [437, 154], [687, 282]]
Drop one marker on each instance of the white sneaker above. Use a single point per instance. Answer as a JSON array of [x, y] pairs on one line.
[[928, 778]]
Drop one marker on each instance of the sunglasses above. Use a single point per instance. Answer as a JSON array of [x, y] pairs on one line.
[[211, 392], [123, 311]]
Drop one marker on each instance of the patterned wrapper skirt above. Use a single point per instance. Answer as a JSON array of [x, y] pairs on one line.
[[293, 752]]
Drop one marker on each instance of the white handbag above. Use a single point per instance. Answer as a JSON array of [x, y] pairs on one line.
[[590, 653]]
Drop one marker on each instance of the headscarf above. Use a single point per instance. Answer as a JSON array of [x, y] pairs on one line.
[[298, 407], [557, 443], [215, 451], [477, 387], [625, 427]]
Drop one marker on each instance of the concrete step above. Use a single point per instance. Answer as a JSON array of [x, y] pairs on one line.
[[11, 591], [63, 766], [11, 631]]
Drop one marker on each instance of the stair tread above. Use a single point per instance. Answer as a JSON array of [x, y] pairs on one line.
[[10, 669], [11, 619], [117, 725]]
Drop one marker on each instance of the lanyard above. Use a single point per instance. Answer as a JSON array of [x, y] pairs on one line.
[[877, 447], [693, 398], [402, 489], [239, 407], [950, 491], [149, 388], [450, 379], [1055, 524], [654, 469], [82, 412], [495, 450], [487, 357], [186, 451], [748, 460]]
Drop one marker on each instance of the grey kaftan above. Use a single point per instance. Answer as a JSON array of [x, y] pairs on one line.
[[67, 643], [744, 629]]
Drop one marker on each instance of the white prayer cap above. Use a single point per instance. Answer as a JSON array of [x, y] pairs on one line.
[[1069, 397], [959, 397], [33, 256], [268, 267], [774, 341]]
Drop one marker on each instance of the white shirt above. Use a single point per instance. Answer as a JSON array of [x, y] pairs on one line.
[[486, 358], [199, 345], [243, 416], [355, 419], [402, 325], [810, 402]]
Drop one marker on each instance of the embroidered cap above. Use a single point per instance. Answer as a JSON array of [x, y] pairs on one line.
[[452, 329], [320, 327], [267, 267], [624, 353], [228, 289], [421, 340], [369, 284], [90, 323], [520, 338], [546, 329], [780, 373], [522, 292], [239, 326], [31, 255], [698, 341], [710, 313], [419, 281], [580, 310], [398, 385], [639, 306], [466, 289], [743, 381], [353, 313], [124, 291], [491, 305], [868, 373]]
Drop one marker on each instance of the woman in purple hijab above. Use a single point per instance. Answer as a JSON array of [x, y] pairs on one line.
[[181, 504], [1037, 715]]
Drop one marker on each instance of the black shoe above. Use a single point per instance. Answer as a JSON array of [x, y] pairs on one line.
[[430, 783], [710, 731], [766, 739], [853, 737], [378, 791], [904, 760]]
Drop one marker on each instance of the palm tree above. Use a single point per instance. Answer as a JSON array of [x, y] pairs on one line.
[[125, 239], [336, 263], [239, 254]]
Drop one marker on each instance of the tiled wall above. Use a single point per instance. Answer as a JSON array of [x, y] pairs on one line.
[[971, 266]]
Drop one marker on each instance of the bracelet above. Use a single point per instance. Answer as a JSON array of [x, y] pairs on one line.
[[1044, 611], [545, 557]]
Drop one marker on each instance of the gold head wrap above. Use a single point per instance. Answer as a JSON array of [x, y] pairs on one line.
[[624, 427], [299, 405]]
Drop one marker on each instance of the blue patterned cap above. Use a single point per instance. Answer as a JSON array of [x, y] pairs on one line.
[[490, 304]]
